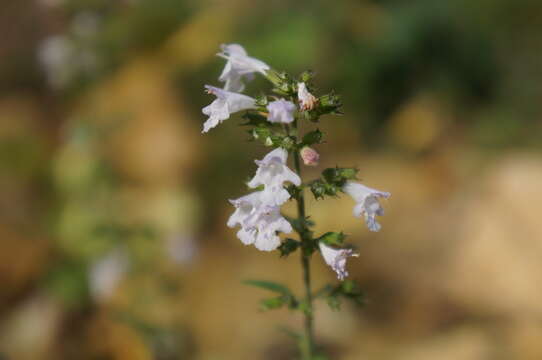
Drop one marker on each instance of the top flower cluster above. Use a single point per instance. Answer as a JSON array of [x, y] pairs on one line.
[[239, 68]]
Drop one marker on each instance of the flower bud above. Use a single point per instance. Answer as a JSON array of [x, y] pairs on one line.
[[310, 156], [307, 101]]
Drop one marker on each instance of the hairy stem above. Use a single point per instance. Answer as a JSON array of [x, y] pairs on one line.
[[308, 346]]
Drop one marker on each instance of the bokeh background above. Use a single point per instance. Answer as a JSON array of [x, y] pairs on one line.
[[113, 244]]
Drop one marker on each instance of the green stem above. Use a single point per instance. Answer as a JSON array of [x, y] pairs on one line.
[[308, 348]]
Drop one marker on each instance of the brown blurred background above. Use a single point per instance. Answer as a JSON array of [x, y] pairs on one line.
[[113, 244]]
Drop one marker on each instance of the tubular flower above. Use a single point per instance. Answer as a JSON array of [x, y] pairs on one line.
[[336, 259], [273, 173], [238, 66], [259, 223], [307, 101], [281, 111], [225, 104], [247, 210], [366, 203]]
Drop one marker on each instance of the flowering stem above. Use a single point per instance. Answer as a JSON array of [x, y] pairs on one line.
[[308, 345]]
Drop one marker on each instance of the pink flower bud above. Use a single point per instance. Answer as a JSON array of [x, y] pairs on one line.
[[310, 156]]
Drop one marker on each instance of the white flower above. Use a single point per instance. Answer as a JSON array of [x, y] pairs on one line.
[[366, 203], [273, 173], [239, 65], [267, 225], [281, 111], [247, 210], [226, 103], [259, 222], [307, 101], [336, 258]]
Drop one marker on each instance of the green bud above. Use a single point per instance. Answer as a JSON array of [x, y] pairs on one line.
[[306, 76], [287, 142], [312, 137], [261, 100], [338, 176]]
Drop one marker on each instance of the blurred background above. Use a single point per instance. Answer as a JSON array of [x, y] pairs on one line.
[[113, 243]]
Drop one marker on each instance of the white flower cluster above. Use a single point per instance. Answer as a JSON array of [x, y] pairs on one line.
[[239, 68], [258, 213]]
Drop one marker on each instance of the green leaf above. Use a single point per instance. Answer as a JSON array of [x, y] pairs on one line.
[[261, 100], [329, 104], [287, 142], [334, 302], [347, 289], [320, 188], [269, 285], [288, 246], [306, 76], [332, 238], [255, 119], [338, 176], [300, 225], [294, 191], [272, 303], [312, 137]]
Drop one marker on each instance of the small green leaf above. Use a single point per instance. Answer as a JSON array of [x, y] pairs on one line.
[[334, 302], [332, 238], [294, 191], [300, 225], [269, 285], [287, 142], [320, 188], [288, 246], [347, 289], [255, 119], [312, 137], [261, 100], [272, 303], [338, 176], [306, 76]]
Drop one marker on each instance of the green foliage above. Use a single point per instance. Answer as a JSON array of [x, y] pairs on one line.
[[312, 137], [347, 289], [284, 83], [294, 191], [255, 119], [320, 189], [329, 104], [332, 238], [302, 227], [332, 181], [269, 285], [306, 76], [338, 176], [261, 100], [68, 281], [288, 246], [285, 298], [268, 133]]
